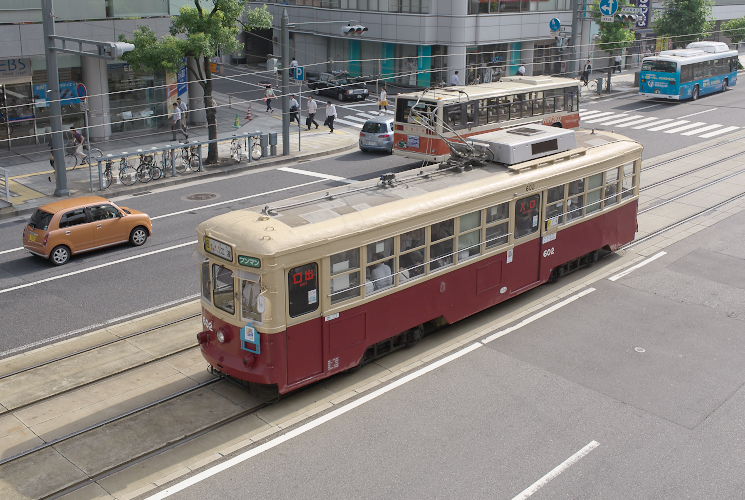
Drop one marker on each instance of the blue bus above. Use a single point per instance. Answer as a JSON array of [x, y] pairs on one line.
[[699, 69]]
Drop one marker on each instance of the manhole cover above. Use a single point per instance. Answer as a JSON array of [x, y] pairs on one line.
[[201, 196]]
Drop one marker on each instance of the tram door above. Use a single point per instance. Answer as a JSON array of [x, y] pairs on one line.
[[524, 269], [305, 340]]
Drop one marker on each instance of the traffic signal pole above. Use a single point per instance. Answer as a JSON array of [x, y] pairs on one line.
[[285, 83], [55, 105], [574, 53]]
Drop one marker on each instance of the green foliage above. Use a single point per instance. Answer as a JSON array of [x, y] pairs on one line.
[[615, 36], [735, 30], [684, 21]]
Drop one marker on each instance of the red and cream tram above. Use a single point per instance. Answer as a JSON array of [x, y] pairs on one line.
[[424, 120], [299, 290]]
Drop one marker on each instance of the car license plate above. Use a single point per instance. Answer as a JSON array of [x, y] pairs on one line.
[[32, 237]]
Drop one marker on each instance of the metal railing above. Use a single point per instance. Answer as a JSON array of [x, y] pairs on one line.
[[179, 159]]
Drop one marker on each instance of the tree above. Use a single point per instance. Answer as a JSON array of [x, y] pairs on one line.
[[735, 30], [684, 21], [200, 32]]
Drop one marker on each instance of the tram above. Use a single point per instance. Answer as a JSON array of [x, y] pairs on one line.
[[426, 120], [299, 290]]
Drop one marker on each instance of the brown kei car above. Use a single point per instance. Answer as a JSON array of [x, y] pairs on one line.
[[63, 228]]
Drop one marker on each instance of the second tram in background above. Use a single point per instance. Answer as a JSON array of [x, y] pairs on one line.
[[699, 69], [427, 120], [304, 288]]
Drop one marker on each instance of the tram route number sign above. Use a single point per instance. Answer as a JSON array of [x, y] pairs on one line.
[[247, 261], [216, 247]]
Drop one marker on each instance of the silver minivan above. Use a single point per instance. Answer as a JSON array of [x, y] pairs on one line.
[[377, 134]]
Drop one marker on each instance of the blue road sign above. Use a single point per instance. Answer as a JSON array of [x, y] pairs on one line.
[[300, 73], [608, 7], [554, 24]]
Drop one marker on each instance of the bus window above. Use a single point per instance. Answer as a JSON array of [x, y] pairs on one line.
[[537, 100], [302, 289], [686, 73], [504, 108], [526, 215], [206, 281], [659, 66], [571, 99], [223, 288], [404, 111], [345, 275], [379, 272], [472, 119]]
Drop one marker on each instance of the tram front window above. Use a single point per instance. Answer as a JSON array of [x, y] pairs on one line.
[[223, 288]]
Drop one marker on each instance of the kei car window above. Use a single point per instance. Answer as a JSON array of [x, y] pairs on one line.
[[40, 219], [73, 218]]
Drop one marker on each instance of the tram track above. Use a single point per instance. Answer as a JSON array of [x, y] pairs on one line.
[[693, 153]]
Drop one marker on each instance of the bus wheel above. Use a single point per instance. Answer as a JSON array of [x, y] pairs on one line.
[[725, 85], [695, 93]]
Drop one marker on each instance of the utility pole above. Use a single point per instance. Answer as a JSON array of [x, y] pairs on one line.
[[285, 83], [574, 53], [55, 106]]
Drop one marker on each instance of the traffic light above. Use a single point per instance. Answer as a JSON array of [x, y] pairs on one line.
[[115, 50], [627, 18], [356, 30]]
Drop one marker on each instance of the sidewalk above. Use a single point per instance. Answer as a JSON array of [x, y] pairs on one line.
[[620, 83], [32, 181]]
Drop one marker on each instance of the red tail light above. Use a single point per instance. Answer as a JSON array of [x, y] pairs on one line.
[[203, 337], [384, 136], [46, 238]]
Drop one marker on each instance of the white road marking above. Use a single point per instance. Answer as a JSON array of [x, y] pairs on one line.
[[598, 115], [637, 266], [653, 123], [702, 129], [97, 325], [557, 470], [355, 118], [216, 469], [537, 316], [684, 127], [636, 122], [624, 119], [667, 125], [590, 112], [700, 112], [593, 119], [345, 122], [315, 174], [11, 250], [718, 132], [368, 115], [98, 266], [647, 107]]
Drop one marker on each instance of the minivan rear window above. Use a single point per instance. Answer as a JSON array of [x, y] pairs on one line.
[[40, 219], [375, 128]]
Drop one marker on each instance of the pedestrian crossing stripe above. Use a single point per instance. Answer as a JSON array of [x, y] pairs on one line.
[[653, 123], [719, 132], [355, 118], [345, 122]]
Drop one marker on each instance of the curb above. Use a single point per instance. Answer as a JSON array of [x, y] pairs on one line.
[[9, 212]]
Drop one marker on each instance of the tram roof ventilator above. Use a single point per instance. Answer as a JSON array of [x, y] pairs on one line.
[[522, 144]]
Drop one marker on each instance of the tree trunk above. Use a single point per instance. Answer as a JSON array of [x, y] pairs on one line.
[[211, 112]]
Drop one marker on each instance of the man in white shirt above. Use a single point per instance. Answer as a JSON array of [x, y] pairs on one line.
[[294, 110], [184, 108], [455, 80], [330, 116], [521, 70], [312, 110], [176, 122]]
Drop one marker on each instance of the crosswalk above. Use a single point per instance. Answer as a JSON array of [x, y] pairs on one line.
[[653, 124], [358, 119]]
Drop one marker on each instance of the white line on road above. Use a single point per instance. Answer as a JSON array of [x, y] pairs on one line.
[[598, 115], [700, 112], [315, 174], [702, 129], [97, 325], [636, 122], [557, 470], [624, 119], [99, 266], [667, 125], [647, 107], [637, 266], [665, 120], [11, 250], [345, 122], [612, 117], [684, 127], [719, 132], [180, 486]]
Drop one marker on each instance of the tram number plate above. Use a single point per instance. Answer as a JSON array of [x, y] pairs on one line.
[[548, 252], [218, 248]]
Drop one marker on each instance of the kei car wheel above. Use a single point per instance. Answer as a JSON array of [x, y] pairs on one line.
[[138, 236], [60, 255]]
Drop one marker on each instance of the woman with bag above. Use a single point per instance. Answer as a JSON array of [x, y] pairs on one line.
[[383, 101]]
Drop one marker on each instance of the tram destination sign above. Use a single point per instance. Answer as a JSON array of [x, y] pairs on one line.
[[216, 247], [247, 261]]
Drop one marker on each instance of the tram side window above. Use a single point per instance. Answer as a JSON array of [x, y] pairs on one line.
[[469, 237], [472, 114], [505, 103], [412, 254], [453, 116], [594, 193], [538, 103], [629, 181], [555, 206], [610, 197], [345, 275], [571, 95], [497, 225], [576, 200], [379, 271], [223, 288], [489, 111], [302, 289], [250, 290], [441, 246], [206, 280], [526, 215]]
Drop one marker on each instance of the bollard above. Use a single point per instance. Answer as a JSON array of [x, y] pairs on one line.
[[273, 143], [264, 141], [100, 174], [199, 157], [600, 85], [173, 160]]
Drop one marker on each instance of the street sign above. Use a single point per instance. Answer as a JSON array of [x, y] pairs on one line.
[[607, 19], [554, 24], [608, 8], [300, 73], [631, 10]]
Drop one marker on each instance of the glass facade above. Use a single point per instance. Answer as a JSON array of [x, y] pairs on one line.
[[402, 6], [133, 102], [507, 6]]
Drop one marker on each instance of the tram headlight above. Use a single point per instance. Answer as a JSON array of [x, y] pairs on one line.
[[220, 336]]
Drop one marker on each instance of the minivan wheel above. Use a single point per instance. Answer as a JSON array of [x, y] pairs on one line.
[[138, 236], [60, 255]]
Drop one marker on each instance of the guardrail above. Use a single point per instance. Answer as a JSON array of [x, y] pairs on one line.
[[4, 184], [179, 159]]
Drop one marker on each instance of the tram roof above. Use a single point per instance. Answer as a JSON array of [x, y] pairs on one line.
[[507, 85], [316, 218]]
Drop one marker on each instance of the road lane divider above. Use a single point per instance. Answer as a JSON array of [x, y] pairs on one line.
[[637, 266]]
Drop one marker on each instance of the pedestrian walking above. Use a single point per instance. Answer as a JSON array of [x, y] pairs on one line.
[[268, 96], [77, 144], [294, 111], [176, 122], [184, 111], [521, 70], [455, 80], [330, 116], [617, 64], [383, 101], [586, 70], [312, 110]]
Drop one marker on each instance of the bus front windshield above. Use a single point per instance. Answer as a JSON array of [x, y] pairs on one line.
[[659, 66]]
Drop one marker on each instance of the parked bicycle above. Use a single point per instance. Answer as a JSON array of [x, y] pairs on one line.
[[127, 173], [147, 168], [106, 175], [187, 159], [237, 145]]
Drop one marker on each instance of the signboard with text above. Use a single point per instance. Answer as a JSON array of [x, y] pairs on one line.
[[15, 71], [644, 16]]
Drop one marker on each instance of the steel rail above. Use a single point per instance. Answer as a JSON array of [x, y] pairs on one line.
[[691, 191], [694, 170], [692, 153]]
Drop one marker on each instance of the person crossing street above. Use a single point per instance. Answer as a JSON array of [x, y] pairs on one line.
[[330, 116], [312, 110], [294, 110]]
